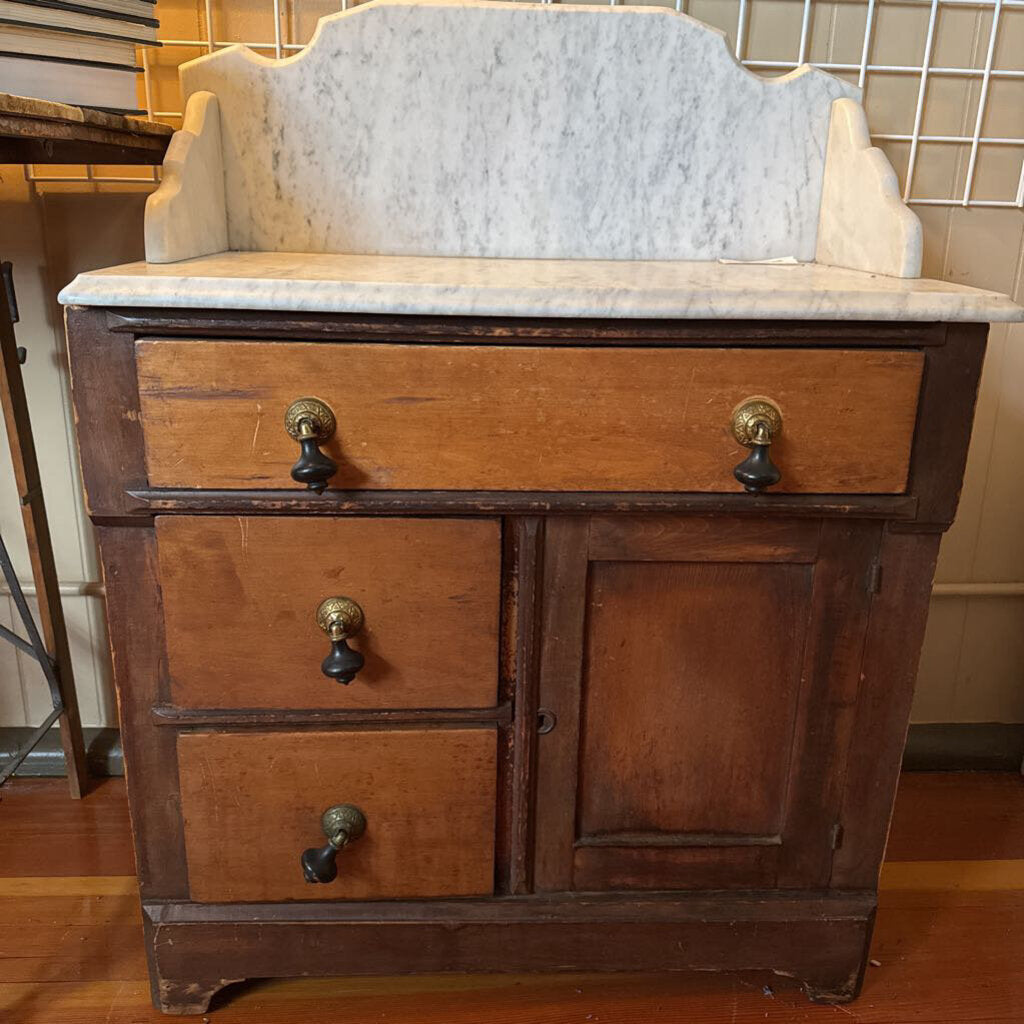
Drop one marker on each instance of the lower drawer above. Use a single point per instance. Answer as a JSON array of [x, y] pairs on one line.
[[252, 805]]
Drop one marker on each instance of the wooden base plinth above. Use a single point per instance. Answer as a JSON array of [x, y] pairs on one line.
[[821, 941]]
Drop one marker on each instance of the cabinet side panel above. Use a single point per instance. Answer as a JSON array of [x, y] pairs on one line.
[[831, 677], [895, 635], [945, 417], [105, 394], [135, 622]]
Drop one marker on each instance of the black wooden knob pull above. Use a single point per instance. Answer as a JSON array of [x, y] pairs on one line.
[[342, 824], [340, 618], [756, 422], [311, 422], [313, 468]]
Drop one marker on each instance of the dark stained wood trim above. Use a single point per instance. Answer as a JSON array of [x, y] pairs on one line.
[[136, 625], [105, 393], [527, 537], [889, 670], [945, 417], [506, 739], [821, 941], [670, 839], [43, 132], [153, 501], [560, 681], [834, 648], [78, 151], [751, 905], [254, 324], [184, 718]]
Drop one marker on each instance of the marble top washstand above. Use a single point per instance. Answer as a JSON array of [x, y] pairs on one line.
[[489, 158]]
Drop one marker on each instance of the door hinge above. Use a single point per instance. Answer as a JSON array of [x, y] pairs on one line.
[[875, 578], [837, 836]]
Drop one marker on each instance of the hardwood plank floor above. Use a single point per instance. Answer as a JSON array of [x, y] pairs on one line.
[[948, 946]]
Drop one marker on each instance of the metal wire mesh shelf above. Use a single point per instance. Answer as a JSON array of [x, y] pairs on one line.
[[862, 33]]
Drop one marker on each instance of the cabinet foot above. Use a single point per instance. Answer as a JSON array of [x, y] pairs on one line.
[[187, 997], [834, 988]]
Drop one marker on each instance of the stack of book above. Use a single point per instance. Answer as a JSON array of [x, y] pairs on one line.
[[80, 52]]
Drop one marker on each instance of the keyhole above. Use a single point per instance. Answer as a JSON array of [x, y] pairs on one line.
[[545, 721]]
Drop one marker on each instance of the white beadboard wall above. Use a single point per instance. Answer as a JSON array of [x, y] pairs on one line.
[[49, 239], [973, 665]]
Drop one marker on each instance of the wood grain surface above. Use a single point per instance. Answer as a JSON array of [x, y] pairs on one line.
[[136, 628], [689, 697], [703, 673], [73, 951], [525, 418], [252, 804], [108, 424], [899, 613], [392, 327], [240, 596]]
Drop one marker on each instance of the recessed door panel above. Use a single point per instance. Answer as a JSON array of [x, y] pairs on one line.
[[690, 686], [702, 674]]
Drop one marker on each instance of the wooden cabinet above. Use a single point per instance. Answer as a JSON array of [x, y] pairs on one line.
[[611, 711], [702, 688]]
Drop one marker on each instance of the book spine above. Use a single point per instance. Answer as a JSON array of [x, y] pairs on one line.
[[106, 65], [80, 32], [95, 12]]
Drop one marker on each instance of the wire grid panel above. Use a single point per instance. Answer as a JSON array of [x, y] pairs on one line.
[[968, 70]]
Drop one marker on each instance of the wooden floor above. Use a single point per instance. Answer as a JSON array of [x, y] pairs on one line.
[[949, 945]]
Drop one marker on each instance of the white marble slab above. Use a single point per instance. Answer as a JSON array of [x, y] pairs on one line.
[[864, 223], [482, 128], [298, 282], [186, 216]]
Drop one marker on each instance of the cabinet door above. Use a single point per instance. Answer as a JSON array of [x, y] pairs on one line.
[[701, 674]]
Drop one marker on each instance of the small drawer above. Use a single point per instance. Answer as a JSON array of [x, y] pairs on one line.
[[241, 596], [475, 418], [252, 805]]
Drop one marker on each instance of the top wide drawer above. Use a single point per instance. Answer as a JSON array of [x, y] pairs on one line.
[[518, 418]]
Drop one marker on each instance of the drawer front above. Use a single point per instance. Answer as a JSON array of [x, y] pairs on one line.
[[463, 417], [240, 597], [252, 804]]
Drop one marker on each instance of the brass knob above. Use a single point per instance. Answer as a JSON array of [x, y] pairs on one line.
[[340, 618], [311, 422], [756, 422], [342, 824]]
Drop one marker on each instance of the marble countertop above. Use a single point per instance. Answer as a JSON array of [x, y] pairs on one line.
[[300, 282]]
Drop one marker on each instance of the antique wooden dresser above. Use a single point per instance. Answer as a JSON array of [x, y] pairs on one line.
[[496, 578]]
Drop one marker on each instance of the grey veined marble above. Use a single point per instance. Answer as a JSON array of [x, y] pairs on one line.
[[453, 128], [303, 282]]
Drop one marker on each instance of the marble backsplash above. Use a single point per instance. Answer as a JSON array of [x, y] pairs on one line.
[[469, 128]]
